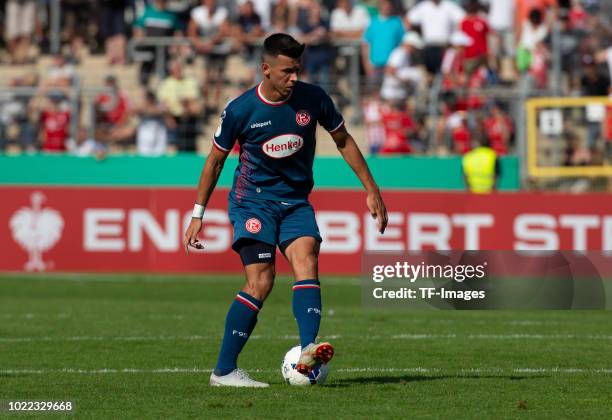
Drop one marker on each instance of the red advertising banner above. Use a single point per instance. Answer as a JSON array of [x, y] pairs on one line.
[[141, 230]]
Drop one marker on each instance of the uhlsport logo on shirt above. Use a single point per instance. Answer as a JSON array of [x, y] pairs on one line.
[[283, 146]]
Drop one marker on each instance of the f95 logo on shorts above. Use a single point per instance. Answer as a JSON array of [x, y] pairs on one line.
[[253, 225]]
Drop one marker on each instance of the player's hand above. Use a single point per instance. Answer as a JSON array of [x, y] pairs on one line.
[[378, 210], [191, 235]]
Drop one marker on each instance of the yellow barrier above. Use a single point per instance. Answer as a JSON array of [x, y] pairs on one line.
[[532, 107]]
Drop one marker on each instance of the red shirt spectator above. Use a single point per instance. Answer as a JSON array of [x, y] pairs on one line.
[[398, 127], [115, 107], [498, 131], [55, 125], [476, 28]]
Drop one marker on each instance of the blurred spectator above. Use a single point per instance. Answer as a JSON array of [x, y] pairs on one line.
[[54, 124], [59, 78], [348, 20], [84, 145], [152, 133], [594, 82], [281, 16], [399, 128], [460, 133], [15, 123], [453, 64], [155, 21], [501, 19], [313, 31], [247, 30], [576, 153], [373, 109], [19, 23], [401, 75], [77, 29], [210, 31], [113, 29], [546, 8], [264, 9], [498, 129], [113, 109], [437, 20], [481, 169], [384, 33], [179, 95], [477, 28], [532, 52]]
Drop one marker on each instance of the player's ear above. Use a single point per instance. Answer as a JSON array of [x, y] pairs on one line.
[[265, 69]]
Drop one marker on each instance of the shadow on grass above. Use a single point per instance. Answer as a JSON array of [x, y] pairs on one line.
[[377, 380]]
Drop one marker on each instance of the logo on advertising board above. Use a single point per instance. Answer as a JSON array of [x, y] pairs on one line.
[[36, 230]]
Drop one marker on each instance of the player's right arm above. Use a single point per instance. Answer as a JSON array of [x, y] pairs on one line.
[[223, 141], [208, 180]]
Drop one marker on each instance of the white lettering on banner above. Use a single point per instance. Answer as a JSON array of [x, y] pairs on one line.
[[472, 224], [606, 234], [141, 221], [345, 232], [535, 227], [418, 236], [375, 241], [340, 231], [579, 224], [102, 230], [216, 235]]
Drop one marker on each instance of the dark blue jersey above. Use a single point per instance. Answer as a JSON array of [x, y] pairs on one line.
[[277, 141]]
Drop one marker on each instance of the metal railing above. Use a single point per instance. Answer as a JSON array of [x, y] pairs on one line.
[[160, 44]]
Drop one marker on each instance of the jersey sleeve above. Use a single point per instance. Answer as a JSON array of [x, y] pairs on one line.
[[227, 131], [330, 118]]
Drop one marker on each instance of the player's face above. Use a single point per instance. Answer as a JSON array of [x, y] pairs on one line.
[[283, 73]]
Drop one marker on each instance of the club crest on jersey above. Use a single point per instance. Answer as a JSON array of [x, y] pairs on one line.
[[253, 225], [302, 117], [283, 146]]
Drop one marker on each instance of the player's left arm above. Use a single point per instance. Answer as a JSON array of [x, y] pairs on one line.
[[352, 155]]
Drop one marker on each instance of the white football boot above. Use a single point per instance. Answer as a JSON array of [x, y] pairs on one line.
[[237, 378], [313, 355]]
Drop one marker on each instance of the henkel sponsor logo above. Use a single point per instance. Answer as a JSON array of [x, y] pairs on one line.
[[283, 146]]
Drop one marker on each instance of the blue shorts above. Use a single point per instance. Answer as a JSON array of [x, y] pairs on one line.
[[271, 222]]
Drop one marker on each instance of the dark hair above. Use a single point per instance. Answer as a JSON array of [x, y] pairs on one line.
[[282, 44], [535, 17]]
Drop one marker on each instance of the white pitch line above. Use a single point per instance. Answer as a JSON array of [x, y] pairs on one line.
[[327, 337], [178, 370]]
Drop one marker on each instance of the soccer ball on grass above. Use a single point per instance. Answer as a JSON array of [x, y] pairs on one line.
[[293, 377]]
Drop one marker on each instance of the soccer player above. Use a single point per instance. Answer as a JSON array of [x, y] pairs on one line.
[[274, 124]]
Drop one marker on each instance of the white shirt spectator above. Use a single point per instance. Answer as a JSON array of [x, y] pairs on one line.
[[531, 35], [264, 9], [357, 20], [501, 14], [437, 21], [151, 137], [209, 24], [394, 85]]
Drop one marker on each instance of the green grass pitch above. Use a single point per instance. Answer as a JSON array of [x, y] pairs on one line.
[[131, 346]]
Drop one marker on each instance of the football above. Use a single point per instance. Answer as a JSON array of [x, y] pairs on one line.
[[293, 377]]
